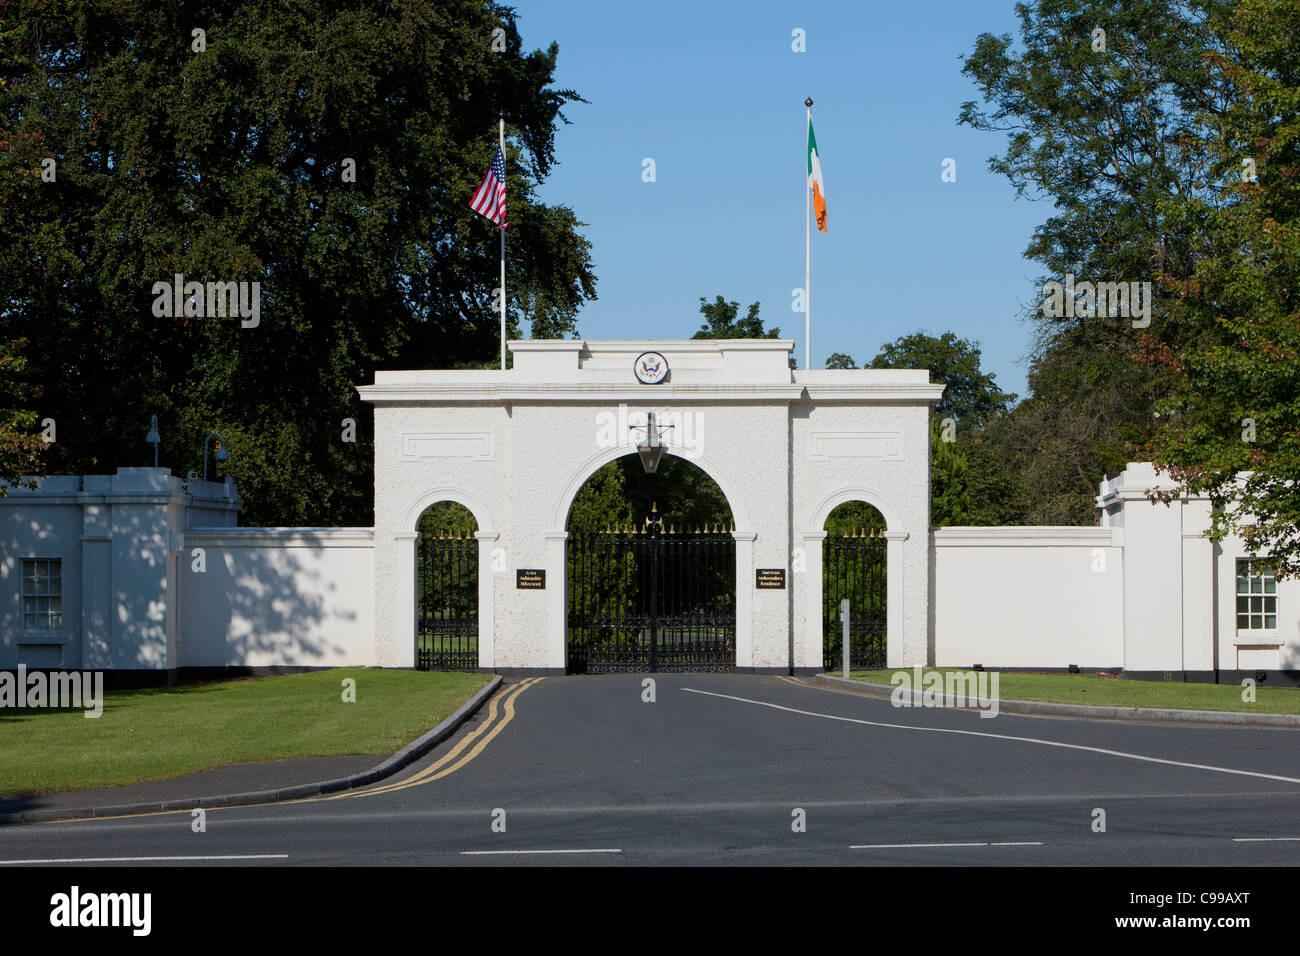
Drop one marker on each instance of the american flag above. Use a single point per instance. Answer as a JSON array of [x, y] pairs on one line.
[[490, 197]]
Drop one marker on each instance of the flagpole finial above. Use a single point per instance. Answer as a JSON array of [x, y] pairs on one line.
[[808, 102]]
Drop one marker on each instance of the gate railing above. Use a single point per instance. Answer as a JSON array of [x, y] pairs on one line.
[[447, 588], [641, 599], [853, 567]]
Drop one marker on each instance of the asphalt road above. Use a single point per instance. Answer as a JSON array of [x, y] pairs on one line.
[[713, 771]]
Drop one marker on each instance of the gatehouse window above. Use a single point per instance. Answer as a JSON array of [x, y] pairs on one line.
[[42, 594], [1256, 596]]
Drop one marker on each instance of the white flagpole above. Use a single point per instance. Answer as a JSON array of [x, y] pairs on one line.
[[807, 248], [502, 118]]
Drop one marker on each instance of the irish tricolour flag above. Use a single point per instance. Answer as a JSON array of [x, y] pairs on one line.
[[815, 181]]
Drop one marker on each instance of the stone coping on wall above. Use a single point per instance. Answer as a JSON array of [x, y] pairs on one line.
[[280, 537], [1027, 536]]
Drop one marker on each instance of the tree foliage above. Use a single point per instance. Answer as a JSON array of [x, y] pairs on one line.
[[1104, 128], [970, 396], [1236, 405], [232, 163], [721, 321], [21, 449], [949, 490]]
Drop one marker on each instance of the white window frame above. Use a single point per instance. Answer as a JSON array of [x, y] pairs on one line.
[[52, 594], [1253, 571]]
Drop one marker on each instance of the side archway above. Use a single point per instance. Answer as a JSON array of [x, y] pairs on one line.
[[867, 566], [453, 597]]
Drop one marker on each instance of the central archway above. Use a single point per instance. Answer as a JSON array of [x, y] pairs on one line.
[[650, 562]]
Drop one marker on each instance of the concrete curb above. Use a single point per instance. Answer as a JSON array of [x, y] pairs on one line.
[[1038, 708], [407, 755]]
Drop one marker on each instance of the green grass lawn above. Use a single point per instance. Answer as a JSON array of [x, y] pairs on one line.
[[1113, 692], [168, 732]]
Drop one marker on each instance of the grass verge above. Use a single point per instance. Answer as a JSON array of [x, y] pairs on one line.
[[168, 732], [1116, 692]]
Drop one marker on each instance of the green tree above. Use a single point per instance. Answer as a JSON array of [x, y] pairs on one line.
[[949, 493], [971, 399], [970, 395], [21, 449], [602, 501], [1106, 129], [721, 322], [1236, 405], [328, 154], [854, 518], [840, 360]]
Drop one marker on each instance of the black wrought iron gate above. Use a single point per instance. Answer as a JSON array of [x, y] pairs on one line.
[[447, 589], [652, 599], [853, 567]]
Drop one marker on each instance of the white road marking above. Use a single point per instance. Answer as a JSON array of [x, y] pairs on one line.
[[909, 846], [148, 859], [500, 852], [1266, 839], [980, 733]]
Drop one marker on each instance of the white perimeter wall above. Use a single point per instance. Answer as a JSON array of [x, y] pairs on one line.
[[278, 596], [1028, 597]]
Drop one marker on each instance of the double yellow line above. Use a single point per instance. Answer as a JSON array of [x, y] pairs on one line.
[[453, 759], [439, 769]]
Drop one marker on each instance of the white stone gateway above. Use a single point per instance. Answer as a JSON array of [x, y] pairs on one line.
[[146, 574], [786, 447]]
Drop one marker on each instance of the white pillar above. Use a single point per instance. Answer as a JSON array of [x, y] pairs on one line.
[[744, 597], [902, 649], [557, 583], [402, 652], [486, 599], [814, 639]]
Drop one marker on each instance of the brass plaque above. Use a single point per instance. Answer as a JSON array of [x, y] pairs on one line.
[[769, 578], [530, 579]]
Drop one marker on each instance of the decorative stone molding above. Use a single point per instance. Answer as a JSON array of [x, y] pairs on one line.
[[475, 445]]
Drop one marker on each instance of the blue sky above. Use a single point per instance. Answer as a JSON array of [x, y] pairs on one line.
[[713, 93]]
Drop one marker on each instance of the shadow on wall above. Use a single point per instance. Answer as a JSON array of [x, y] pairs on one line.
[[279, 598]]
